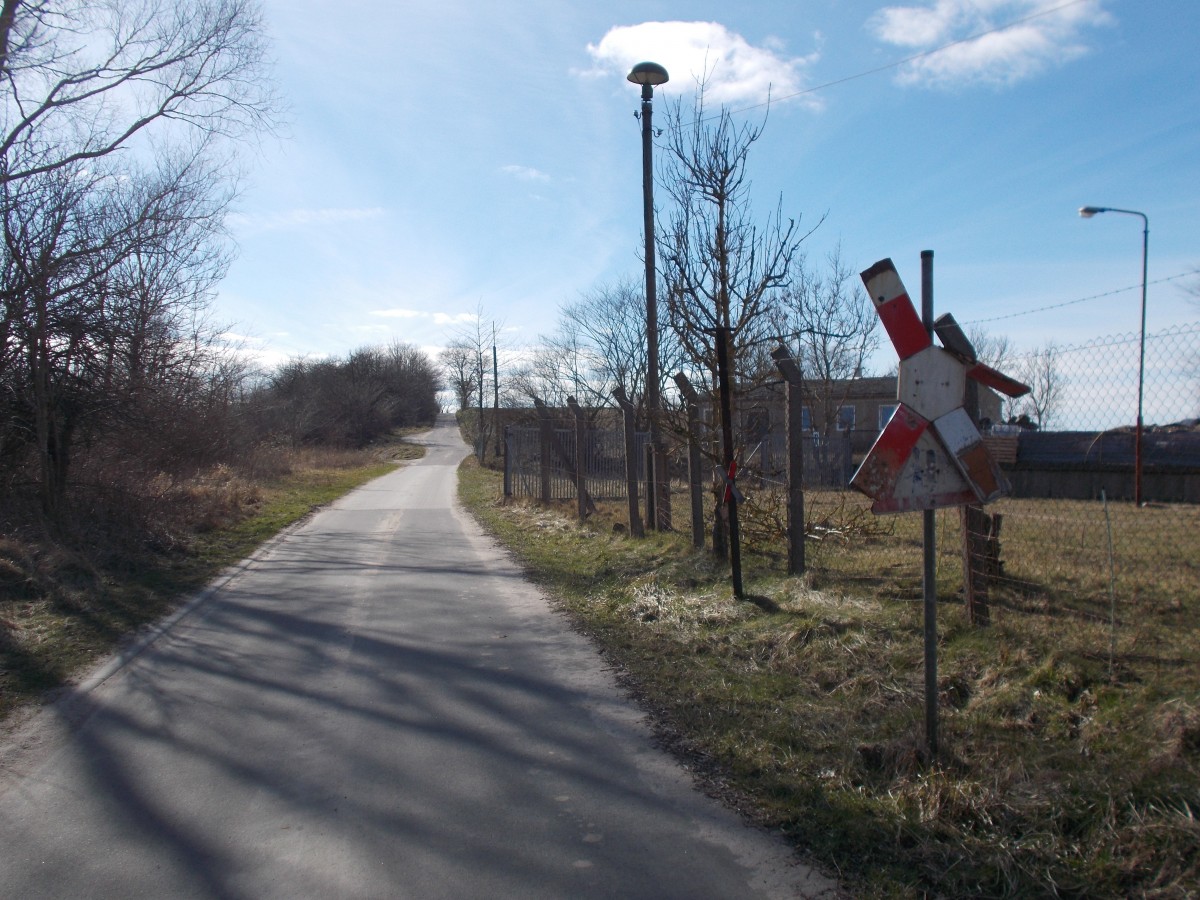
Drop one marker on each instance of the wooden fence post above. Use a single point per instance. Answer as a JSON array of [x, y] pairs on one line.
[[695, 474], [976, 539], [631, 488], [795, 452]]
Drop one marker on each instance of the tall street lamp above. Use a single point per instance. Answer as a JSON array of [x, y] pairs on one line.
[[1087, 212], [658, 484]]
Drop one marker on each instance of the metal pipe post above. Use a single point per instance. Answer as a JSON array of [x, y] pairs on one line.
[[1137, 450], [929, 571]]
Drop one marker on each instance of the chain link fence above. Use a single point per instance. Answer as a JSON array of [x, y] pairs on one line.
[[1070, 541], [1069, 538], [1072, 534]]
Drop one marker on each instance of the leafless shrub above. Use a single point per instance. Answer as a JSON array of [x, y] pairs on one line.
[[348, 402], [764, 522]]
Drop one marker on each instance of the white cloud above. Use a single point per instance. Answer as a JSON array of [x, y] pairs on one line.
[[456, 319], [737, 71], [401, 313], [1001, 57], [302, 218], [525, 173], [437, 318]]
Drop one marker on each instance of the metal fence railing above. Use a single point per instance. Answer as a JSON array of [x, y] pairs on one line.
[[541, 469]]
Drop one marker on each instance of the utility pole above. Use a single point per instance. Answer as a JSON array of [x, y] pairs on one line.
[[495, 391]]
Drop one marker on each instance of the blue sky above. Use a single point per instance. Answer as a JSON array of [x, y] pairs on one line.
[[445, 157]]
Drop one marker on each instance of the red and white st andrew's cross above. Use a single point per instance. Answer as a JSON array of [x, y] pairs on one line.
[[930, 454]]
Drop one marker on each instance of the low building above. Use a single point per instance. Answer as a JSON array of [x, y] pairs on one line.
[[1081, 465], [858, 408]]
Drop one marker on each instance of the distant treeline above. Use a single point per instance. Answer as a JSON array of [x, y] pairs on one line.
[[118, 155]]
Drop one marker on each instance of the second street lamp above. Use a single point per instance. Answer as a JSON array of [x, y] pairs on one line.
[[658, 482], [1087, 212]]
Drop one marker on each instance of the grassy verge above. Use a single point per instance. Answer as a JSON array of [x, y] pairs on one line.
[[63, 608], [805, 706]]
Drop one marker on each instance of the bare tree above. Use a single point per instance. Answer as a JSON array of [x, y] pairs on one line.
[[414, 382], [721, 266], [833, 321], [557, 367], [110, 258], [1040, 370], [994, 350], [104, 281], [459, 362], [599, 344], [610, 321], [478, 343], [351, 401], [83, 79]]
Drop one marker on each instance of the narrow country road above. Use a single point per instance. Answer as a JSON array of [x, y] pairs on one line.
[[375, 705]]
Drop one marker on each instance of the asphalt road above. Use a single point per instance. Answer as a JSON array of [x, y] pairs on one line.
[[375, 705]]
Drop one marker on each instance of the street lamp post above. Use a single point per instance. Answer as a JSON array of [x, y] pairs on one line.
[[1087, 212], [658, 485]]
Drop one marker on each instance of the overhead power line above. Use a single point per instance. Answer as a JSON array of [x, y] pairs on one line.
[[1040, 309]]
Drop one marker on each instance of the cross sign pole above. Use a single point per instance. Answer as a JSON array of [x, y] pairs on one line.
[[930, 454]]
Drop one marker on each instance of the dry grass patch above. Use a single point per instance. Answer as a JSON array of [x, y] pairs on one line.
[[1058, 777], [66, 604]]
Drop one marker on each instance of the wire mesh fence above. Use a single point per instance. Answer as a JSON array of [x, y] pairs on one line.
[[1069, 539], [1070, 542], [1072, 537], [1073, 478], [1098, 380]]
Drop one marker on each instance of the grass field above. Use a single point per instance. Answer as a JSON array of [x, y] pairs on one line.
[[1070, 729], [1069, 765]]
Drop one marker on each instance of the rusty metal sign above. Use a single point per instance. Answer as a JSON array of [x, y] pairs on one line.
[[930, 454]]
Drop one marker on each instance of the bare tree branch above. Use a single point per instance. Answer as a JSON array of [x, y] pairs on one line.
[[109, 71], [722, 268]]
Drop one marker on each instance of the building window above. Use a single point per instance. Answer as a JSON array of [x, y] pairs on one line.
[[845, 418], [805, 419], [885, 414]]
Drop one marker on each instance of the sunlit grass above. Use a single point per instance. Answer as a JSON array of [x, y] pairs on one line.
[[1058, 774]]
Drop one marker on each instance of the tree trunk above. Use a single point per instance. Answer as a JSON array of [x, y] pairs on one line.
[[8, 13]]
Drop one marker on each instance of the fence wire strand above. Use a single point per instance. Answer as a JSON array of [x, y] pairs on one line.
[[1070, 543]]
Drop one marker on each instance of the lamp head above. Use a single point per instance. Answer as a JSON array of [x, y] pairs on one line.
[[648, 73], [1087, 212]]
